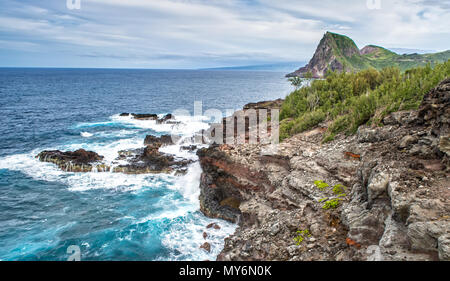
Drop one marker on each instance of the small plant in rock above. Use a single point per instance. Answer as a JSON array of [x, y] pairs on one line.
[[321, 185], [302, 235], [331, 204], [339, 189]]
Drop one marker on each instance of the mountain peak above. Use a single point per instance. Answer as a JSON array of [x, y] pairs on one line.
[[328, 56], [338, 52]]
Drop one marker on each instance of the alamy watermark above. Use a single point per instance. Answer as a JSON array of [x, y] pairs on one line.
[[373, 4], [253, 125], [75, 253], [73, 4]]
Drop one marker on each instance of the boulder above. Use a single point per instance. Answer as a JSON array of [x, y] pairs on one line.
[[407, 141], [213, 225], [370, 135], [206, 246], [377, 186]]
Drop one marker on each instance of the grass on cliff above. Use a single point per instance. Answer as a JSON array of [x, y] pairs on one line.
[[350, 100]]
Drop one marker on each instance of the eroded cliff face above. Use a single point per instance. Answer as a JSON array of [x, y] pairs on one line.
[[390, 186], [328, 56]]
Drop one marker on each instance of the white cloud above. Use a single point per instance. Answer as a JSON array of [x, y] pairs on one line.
[[206, 33]]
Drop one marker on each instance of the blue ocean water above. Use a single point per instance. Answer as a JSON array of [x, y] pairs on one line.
[[108, 216]]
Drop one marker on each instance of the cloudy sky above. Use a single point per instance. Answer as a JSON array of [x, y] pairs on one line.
[[207, 33]]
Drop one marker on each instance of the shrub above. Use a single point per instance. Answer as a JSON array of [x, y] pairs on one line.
[[331, 204], [350, 100]]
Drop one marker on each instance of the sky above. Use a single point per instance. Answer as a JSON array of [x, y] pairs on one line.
[[180, 34]]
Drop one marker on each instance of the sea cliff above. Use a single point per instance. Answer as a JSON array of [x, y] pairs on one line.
[[381, 194]]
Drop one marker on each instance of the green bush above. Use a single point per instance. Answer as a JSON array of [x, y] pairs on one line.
[[350, 100], [331, 204]]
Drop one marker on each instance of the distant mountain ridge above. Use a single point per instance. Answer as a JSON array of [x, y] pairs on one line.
[[339, 52], [282, 66]]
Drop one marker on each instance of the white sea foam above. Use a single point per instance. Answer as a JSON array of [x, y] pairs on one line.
[[187, 126], [108, 150], [32, 167], [184, 236], [188, 185], [28, 164], [86, 134]]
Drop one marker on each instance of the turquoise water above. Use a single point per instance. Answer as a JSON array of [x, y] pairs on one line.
[[108, 216]]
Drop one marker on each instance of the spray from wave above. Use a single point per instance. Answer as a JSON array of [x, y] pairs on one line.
[[177, 208]]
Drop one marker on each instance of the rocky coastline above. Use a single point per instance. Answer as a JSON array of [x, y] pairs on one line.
[[382, 194]]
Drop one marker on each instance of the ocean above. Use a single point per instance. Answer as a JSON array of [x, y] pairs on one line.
[[109, 216]]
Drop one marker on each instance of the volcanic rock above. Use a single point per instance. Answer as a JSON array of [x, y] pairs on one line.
[[395, 205], [76, 161]]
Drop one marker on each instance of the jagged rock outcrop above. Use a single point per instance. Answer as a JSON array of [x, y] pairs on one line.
[[395, 204], [74, 161], [149, 160], [328, 56], [161, 141], [224, 183]]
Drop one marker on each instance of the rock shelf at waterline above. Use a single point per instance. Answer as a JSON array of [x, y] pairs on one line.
[[167, 119], [145, 160]]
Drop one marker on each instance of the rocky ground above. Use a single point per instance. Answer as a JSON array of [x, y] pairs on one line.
[[382, 194]]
